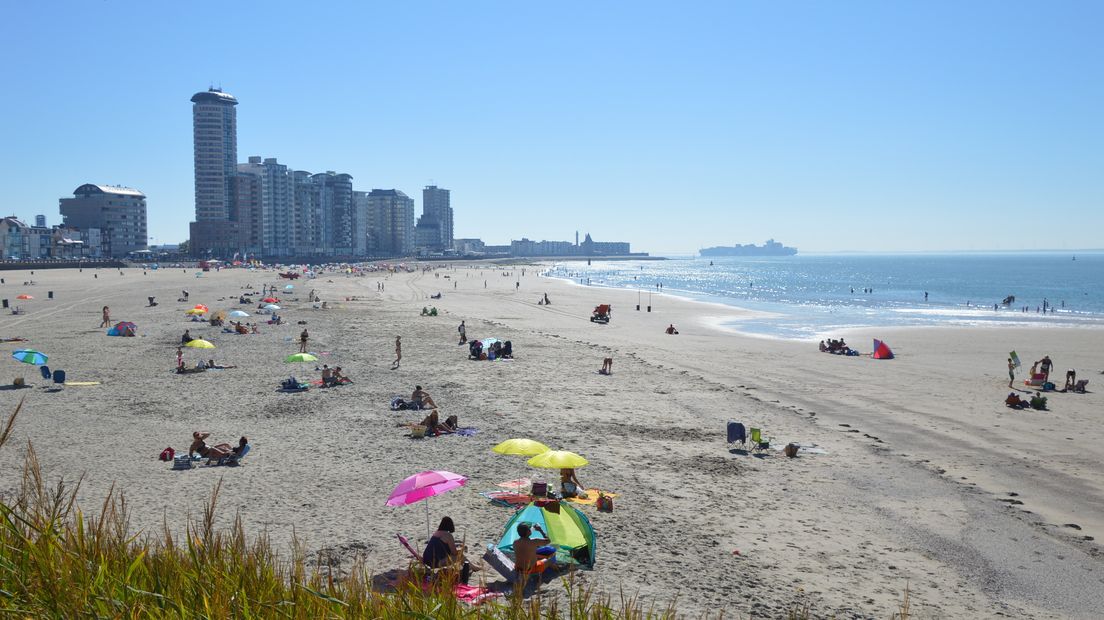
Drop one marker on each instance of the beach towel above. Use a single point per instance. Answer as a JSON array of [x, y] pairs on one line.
[[508, 499], [474, 595], [520, 483], [591, 498]]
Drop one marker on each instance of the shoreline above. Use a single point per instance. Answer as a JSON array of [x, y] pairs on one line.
[[842, 531]]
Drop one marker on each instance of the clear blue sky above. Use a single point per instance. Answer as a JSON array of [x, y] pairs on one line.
[[874, 126]]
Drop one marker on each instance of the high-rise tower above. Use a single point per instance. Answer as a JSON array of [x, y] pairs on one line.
[[215, 140], [437, 211]]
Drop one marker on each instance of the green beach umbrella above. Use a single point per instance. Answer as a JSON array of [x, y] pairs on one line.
[[300, 357]]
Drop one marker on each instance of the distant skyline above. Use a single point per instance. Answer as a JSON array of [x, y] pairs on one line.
[[858, 126]]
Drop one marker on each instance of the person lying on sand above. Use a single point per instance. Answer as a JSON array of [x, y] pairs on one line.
[[433, 424], [199, 446], [212, 364]]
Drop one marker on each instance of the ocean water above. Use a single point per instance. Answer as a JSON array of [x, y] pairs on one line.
[[813, 296]]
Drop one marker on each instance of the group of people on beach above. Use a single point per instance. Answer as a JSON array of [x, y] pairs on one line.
[[836, 347]]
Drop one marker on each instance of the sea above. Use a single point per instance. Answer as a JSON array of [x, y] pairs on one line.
[[814, 296]]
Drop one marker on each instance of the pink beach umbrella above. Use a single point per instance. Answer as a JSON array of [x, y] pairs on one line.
[[424, 486]]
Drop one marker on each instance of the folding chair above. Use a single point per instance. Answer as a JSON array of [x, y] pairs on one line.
[[45, 370], [737, 433], [758, 441], [59, 377]]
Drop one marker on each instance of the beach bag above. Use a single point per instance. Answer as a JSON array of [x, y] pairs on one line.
[[167, 454], [540, 489], [605, 502], [790, 450], [182, 462]]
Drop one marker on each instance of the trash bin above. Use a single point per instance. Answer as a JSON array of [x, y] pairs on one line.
[[5, 303], [50, 294]]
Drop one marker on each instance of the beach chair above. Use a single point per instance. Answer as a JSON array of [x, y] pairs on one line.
[[758, 441], [45, 370], [59, 377], [737, 433], [232, 460]]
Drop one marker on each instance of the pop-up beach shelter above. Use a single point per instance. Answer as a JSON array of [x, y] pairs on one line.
[[881, 351], [567, 528]]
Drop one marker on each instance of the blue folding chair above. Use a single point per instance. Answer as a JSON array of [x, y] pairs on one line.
[[45, 372], [737, 433], [59, 376]]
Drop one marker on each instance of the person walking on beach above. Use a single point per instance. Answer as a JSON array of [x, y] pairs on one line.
[[1011, 372], [106, 322], [303, 338], [463, 333], [398, 352]]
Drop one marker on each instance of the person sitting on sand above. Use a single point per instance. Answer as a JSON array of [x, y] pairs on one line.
[[339, 377], [327, 376], [442, 550], [199, 446], [187, 337], [823, 347], [570, 485], [1014, 401], [422, 399], [671, 329], [253, 329], [526, 561], [239, 449]]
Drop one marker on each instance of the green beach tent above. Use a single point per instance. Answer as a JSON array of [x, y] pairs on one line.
[[569, 530]]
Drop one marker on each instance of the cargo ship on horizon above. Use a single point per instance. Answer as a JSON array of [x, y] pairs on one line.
[[770, 248]]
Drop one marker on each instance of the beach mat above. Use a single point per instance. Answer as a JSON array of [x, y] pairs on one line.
[[82, 383], [507, 498], [520, 483], [592, 497]]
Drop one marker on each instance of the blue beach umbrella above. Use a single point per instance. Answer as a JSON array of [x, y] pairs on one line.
[[30, 356]]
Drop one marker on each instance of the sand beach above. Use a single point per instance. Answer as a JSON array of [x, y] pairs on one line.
[[924, 479]]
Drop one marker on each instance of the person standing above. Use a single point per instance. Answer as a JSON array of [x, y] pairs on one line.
[[106, 322], [303, 338], [463, 333], [179, 359], [1011, 372], [398, 352]]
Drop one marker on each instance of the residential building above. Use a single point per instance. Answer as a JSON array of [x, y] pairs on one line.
[[437, 213], [119, 213], [267, 217], [19, 241], [333, 196], [215, 143], [390, 223], [361, 211], [306, 227]]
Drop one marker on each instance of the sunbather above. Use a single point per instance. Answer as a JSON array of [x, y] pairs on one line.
[[526, 560], [442, 550], [212, 364], [199, 446], [422, 399], [570, 485]]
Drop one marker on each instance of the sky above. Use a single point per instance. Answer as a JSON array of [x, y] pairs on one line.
[[830, 126]]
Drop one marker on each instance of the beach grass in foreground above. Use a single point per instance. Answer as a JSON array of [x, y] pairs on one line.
[[55, 562]]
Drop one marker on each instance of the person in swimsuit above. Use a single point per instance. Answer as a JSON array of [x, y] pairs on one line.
[[106, 322], [570, 485], [422, 398], [1011, 372], [398, 352], [1044, 367], [199, 446], [442, 550], [526, 561], [303, 338]]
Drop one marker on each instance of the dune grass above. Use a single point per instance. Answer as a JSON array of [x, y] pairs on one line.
[[56, 562]]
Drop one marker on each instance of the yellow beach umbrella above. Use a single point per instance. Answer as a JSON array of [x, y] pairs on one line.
[[557, 459], [195, 311], [199, 343], [521, 447]]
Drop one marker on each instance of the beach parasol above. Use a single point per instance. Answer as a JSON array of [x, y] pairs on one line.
[[288, 287], [300, 357], [125, 328], [270, 300], [238, 314], [195, 311], [424, 486], [30, 356], [201, 307], [24, 296], [199, 343], [272, 307], [520, 447], [220, 315], [557, 459]]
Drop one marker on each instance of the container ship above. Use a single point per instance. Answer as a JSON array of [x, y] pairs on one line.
[[770, 248]]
